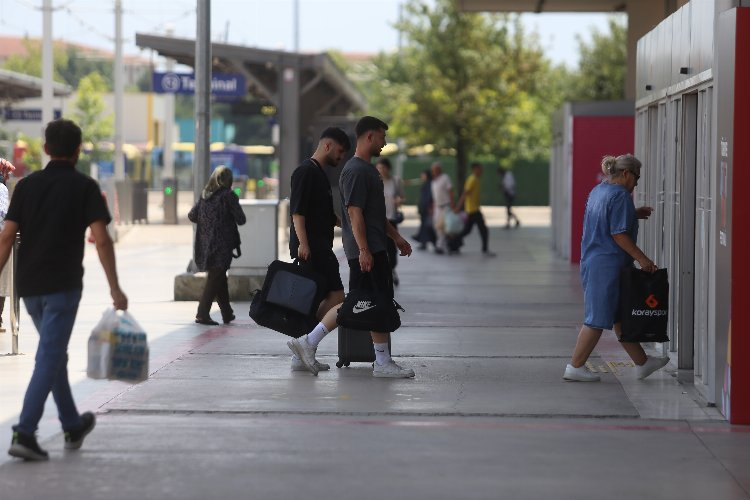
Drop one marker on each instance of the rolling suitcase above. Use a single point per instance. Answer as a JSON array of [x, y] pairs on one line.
[[355, 346]]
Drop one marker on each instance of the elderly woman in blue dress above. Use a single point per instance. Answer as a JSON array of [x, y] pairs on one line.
[[610, 230]]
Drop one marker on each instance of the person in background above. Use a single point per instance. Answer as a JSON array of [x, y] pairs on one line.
[[509, 191], [52, 209], [393, 189], [442, 201], [6, 168], [217, 215], [426, 233], [610, 230], [311, 240], [470, 196]]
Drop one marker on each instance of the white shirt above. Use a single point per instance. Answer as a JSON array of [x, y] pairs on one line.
[[392, 188], [441, 188], [4, 202]]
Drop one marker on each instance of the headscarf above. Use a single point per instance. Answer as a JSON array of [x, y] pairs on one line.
[[220, 178]]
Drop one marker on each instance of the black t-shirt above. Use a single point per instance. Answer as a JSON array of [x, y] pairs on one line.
[[311, 197], [53, 208]]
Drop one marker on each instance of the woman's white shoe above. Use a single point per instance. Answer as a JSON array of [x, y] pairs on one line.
[[580, 374]]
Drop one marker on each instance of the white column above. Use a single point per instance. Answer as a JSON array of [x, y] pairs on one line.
[[119, 89], [202, 158], [168, 172], [47, 71]]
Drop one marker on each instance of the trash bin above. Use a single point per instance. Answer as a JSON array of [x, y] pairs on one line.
[[259, 236], [132, 201]]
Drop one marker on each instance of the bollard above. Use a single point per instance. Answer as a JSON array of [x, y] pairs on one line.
[[15, 303]]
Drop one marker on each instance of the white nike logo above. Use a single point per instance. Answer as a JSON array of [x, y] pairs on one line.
[[362, 306]]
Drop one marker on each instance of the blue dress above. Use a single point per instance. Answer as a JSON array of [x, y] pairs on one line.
[[609, 210]]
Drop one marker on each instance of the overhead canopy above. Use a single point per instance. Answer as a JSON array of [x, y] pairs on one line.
[[307, 89], [542, 5], [324, 89], [15, 86]]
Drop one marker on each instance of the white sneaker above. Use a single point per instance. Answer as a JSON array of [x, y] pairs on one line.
[[650, 366], [305, 352], [391, 370], [580, 374], [299, 366]]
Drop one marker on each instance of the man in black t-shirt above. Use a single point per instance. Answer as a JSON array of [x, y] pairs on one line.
[[311, 240], [52, 209]]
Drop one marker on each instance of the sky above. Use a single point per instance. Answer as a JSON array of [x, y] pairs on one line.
[[364, 26]]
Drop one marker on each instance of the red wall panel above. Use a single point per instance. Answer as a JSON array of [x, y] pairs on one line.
[[593, 138]]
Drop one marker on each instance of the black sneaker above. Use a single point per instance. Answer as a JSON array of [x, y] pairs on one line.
[[25, 446], [74, 439]]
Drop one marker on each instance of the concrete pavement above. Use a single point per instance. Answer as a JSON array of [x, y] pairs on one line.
[[487, 416]]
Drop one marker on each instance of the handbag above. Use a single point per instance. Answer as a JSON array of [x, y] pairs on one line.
[[118, 348], [370, 309], [644, 305], [294, 286], [281, 320], [289, 299], [453, 222]]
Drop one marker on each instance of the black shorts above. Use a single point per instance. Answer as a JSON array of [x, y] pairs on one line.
[[326, 264], [381, 272]]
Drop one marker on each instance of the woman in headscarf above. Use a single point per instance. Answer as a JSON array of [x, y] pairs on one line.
[[217, 215]]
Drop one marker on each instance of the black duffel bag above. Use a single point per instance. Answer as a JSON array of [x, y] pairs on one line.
[[370, 309], [279, 319], [289, 299], [644, 305]]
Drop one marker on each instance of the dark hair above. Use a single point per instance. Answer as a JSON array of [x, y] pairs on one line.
[[476, 164], [337, 135], [384, 161], [62, 137], [368, 124]]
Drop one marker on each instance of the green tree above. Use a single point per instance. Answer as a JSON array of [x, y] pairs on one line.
[[70, 63], [30, 63], [465, 82], [89, 111], [32, 157], [79, 65], [603, 64]]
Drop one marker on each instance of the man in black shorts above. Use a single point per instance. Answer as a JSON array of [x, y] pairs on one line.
[[365, 230], [311, 240]]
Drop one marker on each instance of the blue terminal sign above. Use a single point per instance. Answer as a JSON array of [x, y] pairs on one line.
[[222, 84], [27, 114]]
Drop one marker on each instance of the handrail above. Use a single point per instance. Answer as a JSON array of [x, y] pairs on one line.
[[15, 302]]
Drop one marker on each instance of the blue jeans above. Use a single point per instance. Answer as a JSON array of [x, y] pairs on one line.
[[53, 316]]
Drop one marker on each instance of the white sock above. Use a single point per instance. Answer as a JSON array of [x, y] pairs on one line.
[[382, 354], [316, 335]]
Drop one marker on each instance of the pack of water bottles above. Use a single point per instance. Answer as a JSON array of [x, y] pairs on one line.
[[118, 348]]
